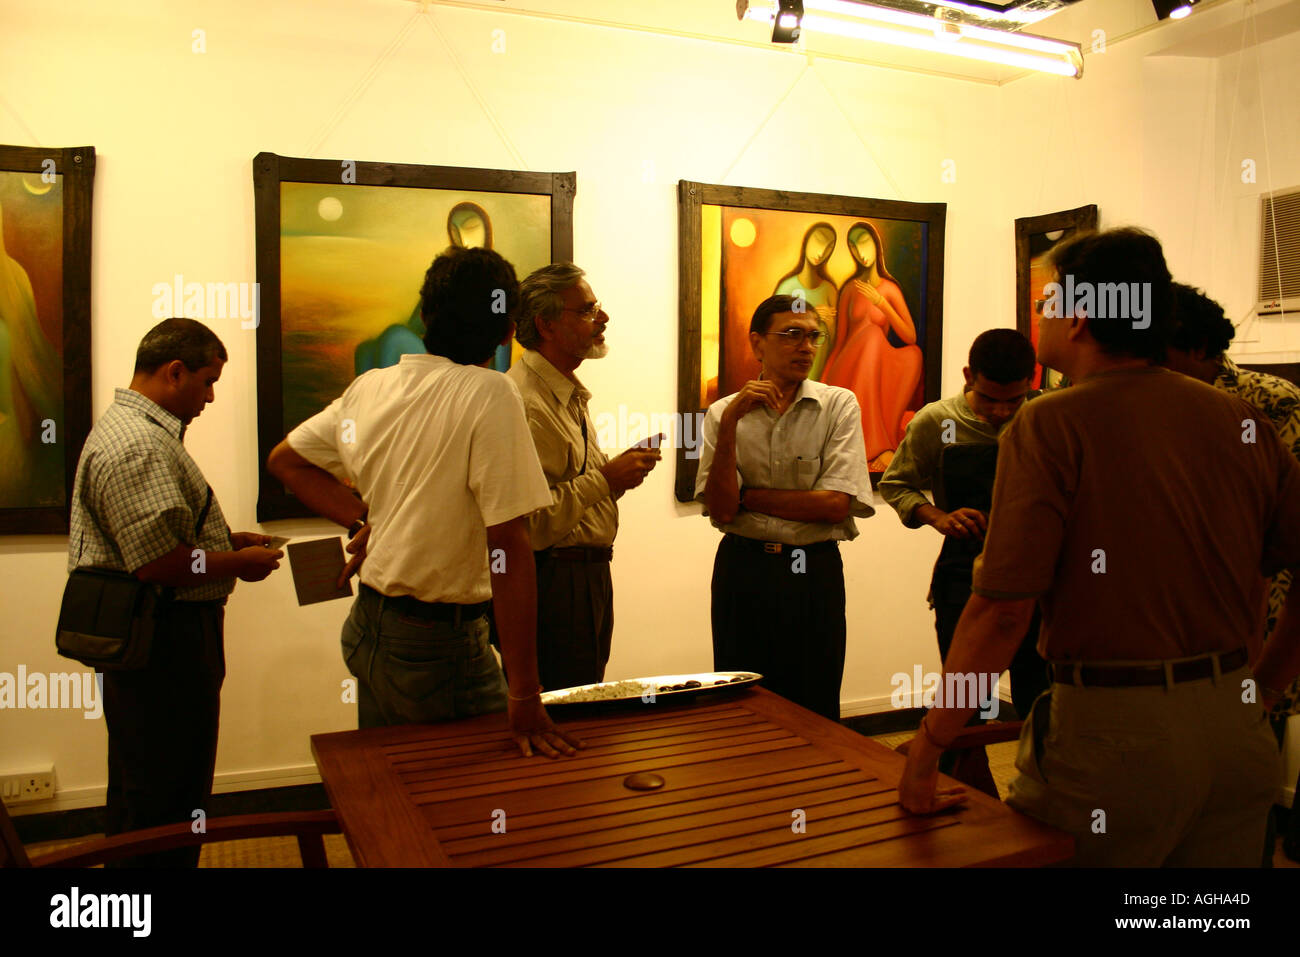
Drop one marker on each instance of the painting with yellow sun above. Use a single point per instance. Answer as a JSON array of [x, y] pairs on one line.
[[869, 270], [37, 438], [341, 272]]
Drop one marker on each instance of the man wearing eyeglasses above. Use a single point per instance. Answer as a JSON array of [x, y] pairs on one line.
[[783, 471], [560, 325]]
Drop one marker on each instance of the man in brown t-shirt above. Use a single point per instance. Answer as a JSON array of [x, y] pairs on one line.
[[1142, 508]]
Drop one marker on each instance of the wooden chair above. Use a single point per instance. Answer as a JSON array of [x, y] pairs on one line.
[[307, 826], [972, 763]]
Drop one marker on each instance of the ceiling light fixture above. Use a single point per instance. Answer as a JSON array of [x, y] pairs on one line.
[[865, 21], [1172, 9]]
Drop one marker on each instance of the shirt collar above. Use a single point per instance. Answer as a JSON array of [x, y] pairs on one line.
[[151, 410], [808, 389], [560, 384], [1228, 372]]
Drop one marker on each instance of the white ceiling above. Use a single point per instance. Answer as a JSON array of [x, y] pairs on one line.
[[1214, 29]]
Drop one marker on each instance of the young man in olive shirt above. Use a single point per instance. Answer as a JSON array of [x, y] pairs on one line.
[[1001, 366]]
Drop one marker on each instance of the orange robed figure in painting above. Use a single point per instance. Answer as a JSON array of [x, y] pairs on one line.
[[862, 359]]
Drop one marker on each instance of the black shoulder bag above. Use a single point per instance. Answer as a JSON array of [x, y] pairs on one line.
[[108, 618]]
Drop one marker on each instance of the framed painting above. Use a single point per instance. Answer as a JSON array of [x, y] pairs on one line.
[[1035, 237], [45, 407], [871, 269], [342, 248]]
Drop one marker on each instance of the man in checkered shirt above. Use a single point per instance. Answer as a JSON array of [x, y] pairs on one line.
[[141, 505]]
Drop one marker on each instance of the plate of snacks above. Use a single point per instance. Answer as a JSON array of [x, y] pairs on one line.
[[650, 690]]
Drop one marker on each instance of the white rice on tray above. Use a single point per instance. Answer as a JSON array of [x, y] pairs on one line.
[[613, 689]]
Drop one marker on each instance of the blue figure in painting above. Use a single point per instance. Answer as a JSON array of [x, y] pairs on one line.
[[468, 227]]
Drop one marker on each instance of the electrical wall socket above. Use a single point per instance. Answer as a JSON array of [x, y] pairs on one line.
[[18, 787]]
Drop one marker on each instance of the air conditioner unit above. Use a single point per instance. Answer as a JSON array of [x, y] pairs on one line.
[[1279, 253]]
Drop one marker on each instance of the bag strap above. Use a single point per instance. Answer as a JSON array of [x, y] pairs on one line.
[[203, 516]]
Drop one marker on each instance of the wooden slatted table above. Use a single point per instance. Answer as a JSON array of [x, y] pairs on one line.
[[738, 768]]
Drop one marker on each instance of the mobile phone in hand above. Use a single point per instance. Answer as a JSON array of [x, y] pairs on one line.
[[650, 442]]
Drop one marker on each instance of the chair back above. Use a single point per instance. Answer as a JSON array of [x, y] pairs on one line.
[[12, 852]]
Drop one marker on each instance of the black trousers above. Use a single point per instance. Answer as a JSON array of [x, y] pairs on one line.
[[1028, 670], [162, 728], [575, 621], [782, 615]]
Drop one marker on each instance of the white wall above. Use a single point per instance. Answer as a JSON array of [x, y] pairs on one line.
[[631, 112]]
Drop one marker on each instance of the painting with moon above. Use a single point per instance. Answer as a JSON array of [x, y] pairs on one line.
[[871, 271], [37, 437], [352, 244]]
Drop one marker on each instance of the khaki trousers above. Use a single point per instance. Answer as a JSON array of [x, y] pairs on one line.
[[1178, 775]]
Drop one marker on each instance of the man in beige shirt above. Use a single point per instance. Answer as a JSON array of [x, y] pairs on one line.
[[561, 324]]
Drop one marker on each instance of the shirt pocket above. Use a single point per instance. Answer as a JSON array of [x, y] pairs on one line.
[[806, 471]]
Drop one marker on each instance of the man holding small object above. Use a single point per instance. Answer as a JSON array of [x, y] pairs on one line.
[[997, 381], [439, 454], [783, 470], [141, 505], [560, 325]]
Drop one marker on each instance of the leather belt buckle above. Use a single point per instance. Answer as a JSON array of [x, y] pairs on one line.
[[772, 548]]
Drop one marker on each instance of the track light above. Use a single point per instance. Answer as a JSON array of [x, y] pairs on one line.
[[944, 34], [1172, 9]]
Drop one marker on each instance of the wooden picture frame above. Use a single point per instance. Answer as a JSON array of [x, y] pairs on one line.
[[37, 291], [1033, 240], [271, 173], [841, 218]]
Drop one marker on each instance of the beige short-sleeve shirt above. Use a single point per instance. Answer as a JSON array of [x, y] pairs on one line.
[[439, 451]]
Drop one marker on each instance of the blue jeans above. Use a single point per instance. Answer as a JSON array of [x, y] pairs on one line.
[[413, 669]]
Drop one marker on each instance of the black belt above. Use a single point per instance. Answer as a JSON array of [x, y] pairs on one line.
[[579, 553], [777, 548], [1126, 676], [431, 611]]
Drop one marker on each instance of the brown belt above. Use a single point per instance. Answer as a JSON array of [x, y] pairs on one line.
[[1127, 676], [579, 553]]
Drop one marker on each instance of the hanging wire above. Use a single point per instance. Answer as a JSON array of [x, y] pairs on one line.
[[767, 119], [893, 185], [19, 120], [474, 92], [367, 78]]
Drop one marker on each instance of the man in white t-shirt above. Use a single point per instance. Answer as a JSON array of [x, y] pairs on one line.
[[442, 462]]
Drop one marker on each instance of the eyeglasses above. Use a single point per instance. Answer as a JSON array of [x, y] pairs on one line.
[[586, 313], [795, 337]]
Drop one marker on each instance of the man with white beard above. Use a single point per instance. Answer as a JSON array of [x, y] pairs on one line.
[[560, 324]]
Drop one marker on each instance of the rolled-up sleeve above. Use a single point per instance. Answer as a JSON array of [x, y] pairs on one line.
[[911, 471], [569, 500], [844, 458], [708, 445]]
